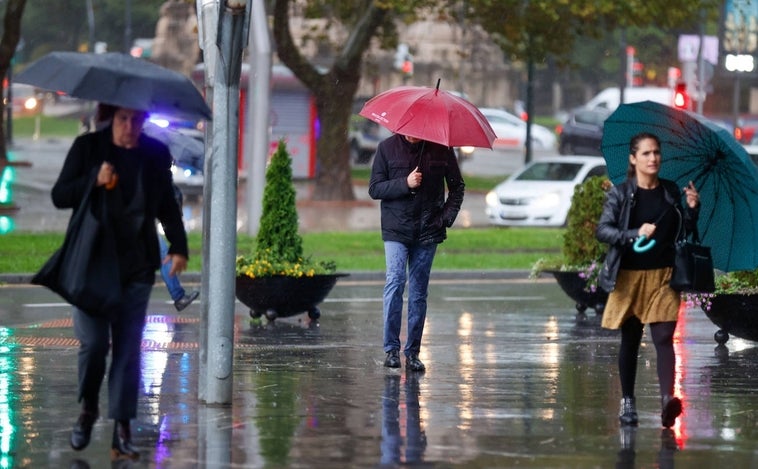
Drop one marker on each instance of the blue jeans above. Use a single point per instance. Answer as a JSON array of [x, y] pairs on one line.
[[417, 260], [172, 282]]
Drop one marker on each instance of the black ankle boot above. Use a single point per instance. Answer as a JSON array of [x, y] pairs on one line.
[[671, 408], [121, 447], [628, 412], [82, 431]]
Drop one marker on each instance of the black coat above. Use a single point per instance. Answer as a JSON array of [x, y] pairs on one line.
[[613, 226], [421, 216], [80, 169]]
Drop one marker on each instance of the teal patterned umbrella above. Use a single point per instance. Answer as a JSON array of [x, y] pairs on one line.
[[696, 149]]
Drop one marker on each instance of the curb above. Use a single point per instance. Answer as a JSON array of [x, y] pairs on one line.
[[359, 276]]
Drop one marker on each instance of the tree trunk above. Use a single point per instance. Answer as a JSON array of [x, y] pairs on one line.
[[333, 179], [14, 10]]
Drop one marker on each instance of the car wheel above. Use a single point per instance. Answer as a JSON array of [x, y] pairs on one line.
[[566, 149]]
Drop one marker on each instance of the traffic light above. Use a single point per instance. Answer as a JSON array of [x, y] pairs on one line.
[[681, 97], [407, 67]]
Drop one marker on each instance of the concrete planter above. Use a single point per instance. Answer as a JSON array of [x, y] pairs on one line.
[[573, 285], [735, 314]]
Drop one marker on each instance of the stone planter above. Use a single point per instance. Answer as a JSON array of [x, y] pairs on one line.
[[573, 285], [282, 296], [735, 314]]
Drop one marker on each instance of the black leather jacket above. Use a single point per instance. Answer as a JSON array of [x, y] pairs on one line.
[[420, 216], [613, 226]]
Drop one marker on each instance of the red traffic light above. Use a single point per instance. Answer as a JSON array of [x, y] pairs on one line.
[[681, 97]]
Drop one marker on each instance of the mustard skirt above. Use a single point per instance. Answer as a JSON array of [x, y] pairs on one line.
[[642, 293]]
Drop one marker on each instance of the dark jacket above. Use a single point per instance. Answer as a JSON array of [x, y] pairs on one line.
[[80, 169], [613, 226], [420, 216]]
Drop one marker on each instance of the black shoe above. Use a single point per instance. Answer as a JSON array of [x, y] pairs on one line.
[[121, 447], [186, 300], [671, 408], [412, 363], [628, 412], [393, 359], [82, 431]]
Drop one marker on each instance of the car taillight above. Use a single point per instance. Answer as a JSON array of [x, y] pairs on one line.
[[738, 133], [558, 129]]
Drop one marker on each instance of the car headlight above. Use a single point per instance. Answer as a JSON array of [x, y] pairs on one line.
[[492, 198], [466, 150], [551, 199], [30, 104]]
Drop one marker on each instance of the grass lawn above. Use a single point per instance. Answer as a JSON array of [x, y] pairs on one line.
[[465, 249]]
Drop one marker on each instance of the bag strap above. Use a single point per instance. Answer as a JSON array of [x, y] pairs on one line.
[[682, 233]]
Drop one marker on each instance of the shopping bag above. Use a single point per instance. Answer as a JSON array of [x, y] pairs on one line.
[[84, 271]]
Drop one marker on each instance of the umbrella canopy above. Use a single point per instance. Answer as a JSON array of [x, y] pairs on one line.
[[184, 148], [430, 114], [117, 79], [695, 149]]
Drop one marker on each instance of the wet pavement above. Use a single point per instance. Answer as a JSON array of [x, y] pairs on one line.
[[514, 379]]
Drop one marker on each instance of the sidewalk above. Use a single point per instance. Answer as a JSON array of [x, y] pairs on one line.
[[514, 379]]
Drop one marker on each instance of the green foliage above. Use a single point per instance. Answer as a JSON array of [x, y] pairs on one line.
[[743, 281], [541, 28], [277, 236], [278, 246], [580, 247]]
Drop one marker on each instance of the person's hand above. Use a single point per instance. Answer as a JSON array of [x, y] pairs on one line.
[[178, 263], [414, 179], [107, 176], [693, 198], [647, 230]]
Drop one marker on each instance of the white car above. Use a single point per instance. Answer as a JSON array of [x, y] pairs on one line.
[[511, 131], [540, 193]]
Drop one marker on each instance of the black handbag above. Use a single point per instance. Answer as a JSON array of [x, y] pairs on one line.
[[85, 270], [693, 264]]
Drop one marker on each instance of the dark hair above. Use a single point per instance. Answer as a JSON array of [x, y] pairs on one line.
[[105, 112], [634, 145]]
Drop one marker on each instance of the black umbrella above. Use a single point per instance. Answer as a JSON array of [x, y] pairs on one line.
[[117, 79]]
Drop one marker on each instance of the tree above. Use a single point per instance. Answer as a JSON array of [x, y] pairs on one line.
[[14, 10], [333, 76]]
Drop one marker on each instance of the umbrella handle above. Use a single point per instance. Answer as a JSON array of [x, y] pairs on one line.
[[639, 247]]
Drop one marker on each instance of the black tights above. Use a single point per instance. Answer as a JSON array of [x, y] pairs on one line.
[[662, 334]]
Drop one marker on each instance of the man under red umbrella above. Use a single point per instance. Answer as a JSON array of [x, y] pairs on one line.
[[409, 176]]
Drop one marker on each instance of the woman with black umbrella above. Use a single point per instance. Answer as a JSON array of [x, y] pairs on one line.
[[131, 173]]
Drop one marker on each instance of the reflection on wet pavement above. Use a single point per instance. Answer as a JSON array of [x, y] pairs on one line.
[[513, 380]]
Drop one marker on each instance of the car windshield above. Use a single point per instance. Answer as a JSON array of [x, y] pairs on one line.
[[550, 172]]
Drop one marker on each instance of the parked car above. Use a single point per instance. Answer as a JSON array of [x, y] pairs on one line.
[[511, 131], [540, 193], [364, 137], [26, 100], [752, 150], [582, 133]]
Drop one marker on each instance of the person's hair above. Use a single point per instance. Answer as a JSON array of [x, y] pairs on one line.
[[105, 112], [634, 145]]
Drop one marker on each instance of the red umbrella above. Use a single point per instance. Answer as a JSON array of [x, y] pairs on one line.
[[430, 114]]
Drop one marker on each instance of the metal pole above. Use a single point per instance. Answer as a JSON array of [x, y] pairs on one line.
[[230, 40], [207, 11], [128, 26], [257, 134]]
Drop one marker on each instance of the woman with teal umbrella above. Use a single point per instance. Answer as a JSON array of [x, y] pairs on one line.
[[644, 205]]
